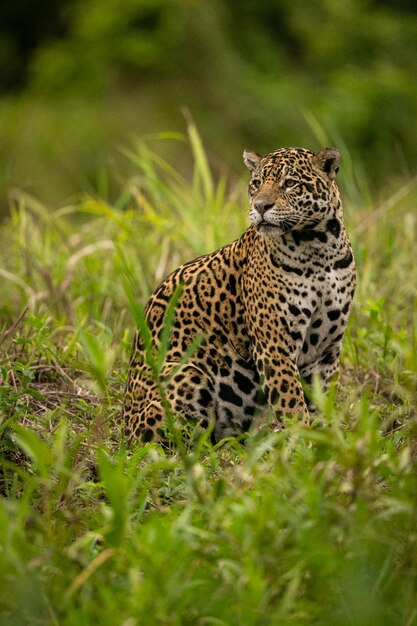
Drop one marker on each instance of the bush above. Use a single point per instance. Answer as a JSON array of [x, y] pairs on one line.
[[300, 527]]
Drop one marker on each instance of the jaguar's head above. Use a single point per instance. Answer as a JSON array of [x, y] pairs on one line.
[[292, 188]]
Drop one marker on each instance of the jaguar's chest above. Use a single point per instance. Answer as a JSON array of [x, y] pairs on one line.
[[325, 304]]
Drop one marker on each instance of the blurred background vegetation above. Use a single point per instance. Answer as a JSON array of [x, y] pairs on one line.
[[81, 78]]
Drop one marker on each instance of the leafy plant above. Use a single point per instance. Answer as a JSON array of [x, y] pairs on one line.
[[304, 527]]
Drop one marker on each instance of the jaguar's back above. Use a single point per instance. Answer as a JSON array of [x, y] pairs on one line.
[[269, 308]]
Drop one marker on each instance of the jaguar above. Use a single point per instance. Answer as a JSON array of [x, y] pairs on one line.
[[254, 321]]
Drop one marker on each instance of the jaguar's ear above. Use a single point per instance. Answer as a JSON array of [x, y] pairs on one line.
[[328, 161], [251, 159]]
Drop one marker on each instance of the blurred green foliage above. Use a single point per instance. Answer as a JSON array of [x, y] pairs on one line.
[[261, 75]]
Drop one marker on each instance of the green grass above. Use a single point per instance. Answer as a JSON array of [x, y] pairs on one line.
[[307, 526]]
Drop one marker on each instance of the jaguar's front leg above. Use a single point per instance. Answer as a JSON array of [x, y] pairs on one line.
[[281, 384], [325, 369]]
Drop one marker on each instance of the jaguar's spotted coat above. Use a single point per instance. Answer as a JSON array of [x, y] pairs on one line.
[[272, 306]]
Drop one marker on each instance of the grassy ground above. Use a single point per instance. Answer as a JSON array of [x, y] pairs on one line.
[[299, 527]]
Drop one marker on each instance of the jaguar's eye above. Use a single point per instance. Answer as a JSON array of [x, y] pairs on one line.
[[289, 183], [255, 183]]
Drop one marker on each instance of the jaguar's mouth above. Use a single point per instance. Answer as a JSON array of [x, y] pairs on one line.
[[267, 225], [283, 226]]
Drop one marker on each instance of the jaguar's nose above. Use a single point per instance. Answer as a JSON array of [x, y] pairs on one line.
[[262, 204]]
